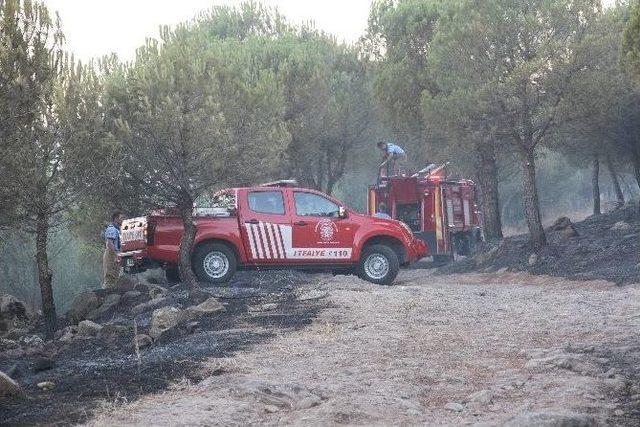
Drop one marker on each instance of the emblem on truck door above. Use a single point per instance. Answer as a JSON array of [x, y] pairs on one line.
[[326, 228]]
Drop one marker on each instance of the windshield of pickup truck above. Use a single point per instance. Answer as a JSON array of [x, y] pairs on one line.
[[309, 204]]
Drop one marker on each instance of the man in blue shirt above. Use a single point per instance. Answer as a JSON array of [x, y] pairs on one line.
[[110, 266], [394, 157]]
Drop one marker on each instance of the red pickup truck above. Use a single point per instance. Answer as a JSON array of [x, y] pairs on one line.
[[273, 226]]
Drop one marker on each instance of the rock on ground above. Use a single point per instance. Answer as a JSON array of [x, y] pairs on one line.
[[561, 223], [89, 328], [32, 344], [149, 305], [14, 314], [163, 320], [83, 304], [130, 296], [454, 407], [8, 387], [207, 308], [482, 397], [156, 292], [621, 226], [108, 305], [540, 419], [142, 341]]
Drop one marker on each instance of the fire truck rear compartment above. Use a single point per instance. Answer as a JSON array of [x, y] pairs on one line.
[[439, 211]]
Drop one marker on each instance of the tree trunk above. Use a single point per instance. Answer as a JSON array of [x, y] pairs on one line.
[[636, 165], [616, 183], [531, 202], [635, 157], [595, 185], [45, 276], [488, 180], [186, 246]]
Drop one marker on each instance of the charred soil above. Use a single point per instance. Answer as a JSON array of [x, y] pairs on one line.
[[601, 247], [90, 372]]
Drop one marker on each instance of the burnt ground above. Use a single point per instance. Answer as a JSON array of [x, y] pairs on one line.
[[599, 251], [91, 371], [491, 349]]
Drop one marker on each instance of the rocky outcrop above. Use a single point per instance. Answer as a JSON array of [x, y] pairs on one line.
[[163, 320], [83, 304], [31, 344], [565, 227], [109, 304], [561, 223], [130, 296], [89, 328], [209, 307], [149, 305], [8, 387], [125, 283], [621, 226]]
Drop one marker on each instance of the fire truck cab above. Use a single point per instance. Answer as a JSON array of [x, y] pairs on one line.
[[440, 211]]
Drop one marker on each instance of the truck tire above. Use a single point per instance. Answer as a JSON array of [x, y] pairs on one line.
[[214, 263], [378, 264], [172, 274]]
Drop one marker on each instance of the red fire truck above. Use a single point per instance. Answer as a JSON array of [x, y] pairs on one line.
[[277, 225], [440, 211]]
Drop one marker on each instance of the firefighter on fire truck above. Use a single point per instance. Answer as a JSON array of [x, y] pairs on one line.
[[394, 158]]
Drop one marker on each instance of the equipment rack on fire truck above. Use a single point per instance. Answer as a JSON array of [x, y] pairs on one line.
[[440, 211]]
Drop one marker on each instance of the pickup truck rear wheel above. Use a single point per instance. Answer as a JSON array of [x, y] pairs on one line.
[[378, 264], [214, 263]]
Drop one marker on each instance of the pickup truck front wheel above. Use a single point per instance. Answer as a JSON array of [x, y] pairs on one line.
[[214, 263], [378, 264]]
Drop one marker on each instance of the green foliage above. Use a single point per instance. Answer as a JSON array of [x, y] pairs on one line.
[[328, 107], [29, 40], [399, 37], [600, 111], [324, 87], [631, 43], [191, 114]]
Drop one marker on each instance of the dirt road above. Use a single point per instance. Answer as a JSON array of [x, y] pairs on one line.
[[461, 349]]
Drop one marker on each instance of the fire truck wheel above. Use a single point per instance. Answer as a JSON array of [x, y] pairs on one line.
[[214, 263], [172, 274], [378, 264]]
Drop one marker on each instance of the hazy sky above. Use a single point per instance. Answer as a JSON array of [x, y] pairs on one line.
[[98, 27]]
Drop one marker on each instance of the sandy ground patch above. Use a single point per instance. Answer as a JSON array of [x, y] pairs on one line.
[[459, 349]]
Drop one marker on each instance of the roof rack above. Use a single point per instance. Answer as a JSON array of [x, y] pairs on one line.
[[281, 183]]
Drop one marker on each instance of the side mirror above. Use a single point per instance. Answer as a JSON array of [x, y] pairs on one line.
[[342, 212]]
